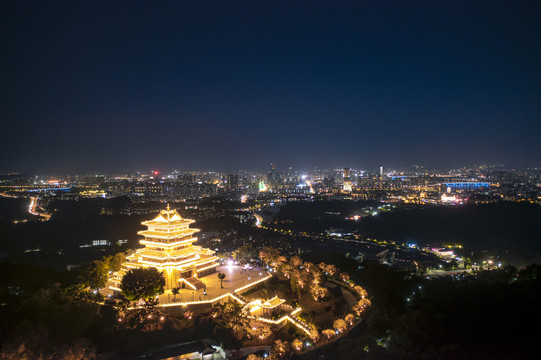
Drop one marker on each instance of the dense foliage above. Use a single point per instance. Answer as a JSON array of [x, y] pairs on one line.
[[142, 284], [49, 315], [492, 315]]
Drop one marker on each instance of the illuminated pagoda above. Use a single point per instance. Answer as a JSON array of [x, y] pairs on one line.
[[169, 247]]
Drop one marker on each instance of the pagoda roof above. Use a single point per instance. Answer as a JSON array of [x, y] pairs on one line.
[[169, 235], [168, 217], [272, 303]]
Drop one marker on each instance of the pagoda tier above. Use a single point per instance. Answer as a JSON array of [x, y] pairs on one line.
[[169, 248]]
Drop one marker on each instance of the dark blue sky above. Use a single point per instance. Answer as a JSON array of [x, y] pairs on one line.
[[111, 86]]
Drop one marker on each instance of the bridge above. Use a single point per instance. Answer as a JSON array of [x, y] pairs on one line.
[[466, 185]]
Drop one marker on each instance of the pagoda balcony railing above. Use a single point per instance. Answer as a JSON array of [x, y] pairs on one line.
[[168, 241], [168, 231], [163, 261]]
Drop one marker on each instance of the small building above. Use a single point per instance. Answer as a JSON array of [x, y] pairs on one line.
[[260, 307]]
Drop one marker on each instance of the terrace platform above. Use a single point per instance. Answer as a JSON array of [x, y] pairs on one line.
[[236, 277]]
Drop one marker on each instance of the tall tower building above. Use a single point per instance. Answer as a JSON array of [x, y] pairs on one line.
[[271, 175], [347, 180], [169, 248], [380, 180], [232, 181]]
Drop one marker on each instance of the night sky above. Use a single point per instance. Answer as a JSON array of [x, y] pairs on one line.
[[111, 86]]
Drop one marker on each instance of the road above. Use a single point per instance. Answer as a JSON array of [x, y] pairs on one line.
[[33, 209]]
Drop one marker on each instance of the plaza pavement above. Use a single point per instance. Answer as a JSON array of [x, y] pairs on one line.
[[235, 277]]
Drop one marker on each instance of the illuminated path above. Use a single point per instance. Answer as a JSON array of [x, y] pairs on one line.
[[33, 209]]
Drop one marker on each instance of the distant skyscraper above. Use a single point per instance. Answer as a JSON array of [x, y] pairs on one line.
[[232, 181], [272, 176], [380, 176], [347, 180]]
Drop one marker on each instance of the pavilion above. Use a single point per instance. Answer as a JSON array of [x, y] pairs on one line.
[[169, 247]]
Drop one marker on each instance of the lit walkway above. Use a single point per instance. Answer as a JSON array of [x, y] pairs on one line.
[[235, 278]]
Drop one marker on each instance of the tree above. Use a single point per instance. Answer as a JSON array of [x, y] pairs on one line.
[[95, 274], [32, 346], [362, 292], [317, 276], [53, 326], [329, 333], [286, 270], [175, 292], [295, 261], [245, 253], [269, 255], [295, 288], [344, 277], [114, 262], [361, 306], [254, 357], [310, 267], [350, 318], [221, 276], [301, 277], [142, 284], [364, 302], [296, 344], [340, 325], [332, 270], [259, 329], [279, 349], [279, 261], [319, 292], [147, 313]]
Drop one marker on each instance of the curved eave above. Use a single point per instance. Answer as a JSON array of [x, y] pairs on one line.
[[173, 235], [167, 245], [183, 222]]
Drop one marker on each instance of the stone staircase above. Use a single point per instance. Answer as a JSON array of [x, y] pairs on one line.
[[241, 297], [198, 284]]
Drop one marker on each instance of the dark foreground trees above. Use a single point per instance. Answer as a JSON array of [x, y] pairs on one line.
[[493, 315], [142, 286], [48, 314], [52, 323], [95, 274]]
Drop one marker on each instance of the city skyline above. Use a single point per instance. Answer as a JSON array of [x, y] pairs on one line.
[[214, 86], [162, 173], [305, 179]]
